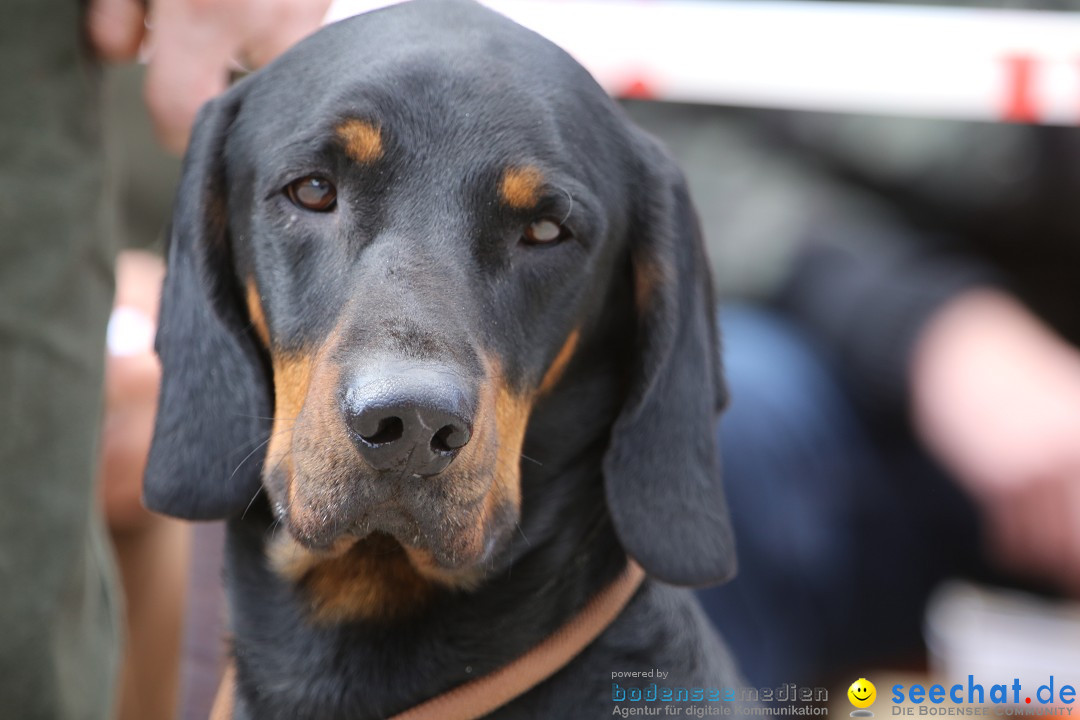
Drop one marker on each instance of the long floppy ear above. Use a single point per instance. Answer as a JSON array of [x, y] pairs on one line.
[[206, 458], [662, 472]]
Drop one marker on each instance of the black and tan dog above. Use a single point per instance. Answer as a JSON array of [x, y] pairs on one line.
[[438, 341]]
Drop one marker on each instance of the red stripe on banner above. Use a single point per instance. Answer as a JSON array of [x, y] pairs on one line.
[[1020, 105], [636, 89]]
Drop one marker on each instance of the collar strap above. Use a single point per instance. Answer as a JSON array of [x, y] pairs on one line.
[[478, 697]]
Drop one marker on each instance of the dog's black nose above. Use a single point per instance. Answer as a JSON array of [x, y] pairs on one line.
[[413, 421]]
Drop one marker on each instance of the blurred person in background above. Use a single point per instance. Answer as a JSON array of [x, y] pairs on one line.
[[60, 610], [906, 390], [152, 551]]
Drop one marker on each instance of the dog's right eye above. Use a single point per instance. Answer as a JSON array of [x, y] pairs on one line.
[[312, 193]]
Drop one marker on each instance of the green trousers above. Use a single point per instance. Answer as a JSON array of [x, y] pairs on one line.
[[59, 621]]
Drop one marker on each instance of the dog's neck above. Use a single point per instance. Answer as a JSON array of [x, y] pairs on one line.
[[566, 551]]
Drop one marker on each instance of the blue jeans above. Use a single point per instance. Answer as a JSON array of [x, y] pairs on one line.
[[843, 525]]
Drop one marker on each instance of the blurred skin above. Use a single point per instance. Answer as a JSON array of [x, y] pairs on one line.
[[192, 46], [131, 387], [997, 398], [151, 550]]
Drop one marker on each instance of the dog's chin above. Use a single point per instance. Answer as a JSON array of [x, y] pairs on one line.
[[453, 546]]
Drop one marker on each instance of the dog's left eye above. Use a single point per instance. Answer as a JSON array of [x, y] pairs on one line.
[[312, 193], [545, 232]]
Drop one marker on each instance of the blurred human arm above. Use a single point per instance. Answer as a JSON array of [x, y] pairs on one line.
[[152, 551], [192, 45], [132, 375], [864, 288], [995, 395], [993, 392]]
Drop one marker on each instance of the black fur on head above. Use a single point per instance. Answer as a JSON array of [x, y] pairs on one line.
[[444, 144]]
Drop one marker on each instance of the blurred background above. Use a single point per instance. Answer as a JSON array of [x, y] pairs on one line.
[[889, 193]]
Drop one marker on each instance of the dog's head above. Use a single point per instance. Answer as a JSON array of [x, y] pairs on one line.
[[388, 247]]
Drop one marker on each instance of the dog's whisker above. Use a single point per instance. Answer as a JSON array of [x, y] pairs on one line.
[[243, 447], [569, 210], [247, 457], [251, 502], [523, 535], [280, 460]]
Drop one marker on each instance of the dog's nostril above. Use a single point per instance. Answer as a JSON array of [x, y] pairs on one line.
[[449, 438], [410, 423], [389, 430]]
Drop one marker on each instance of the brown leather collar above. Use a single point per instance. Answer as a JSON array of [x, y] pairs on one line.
[[481, 696]]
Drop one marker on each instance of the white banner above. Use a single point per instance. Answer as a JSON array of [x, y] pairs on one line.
[[972, 64]]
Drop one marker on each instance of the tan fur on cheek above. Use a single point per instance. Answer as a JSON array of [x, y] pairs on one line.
[[512, 416], [311, 454], [292, 378], [558, 365], [255, 312], [512, 410]]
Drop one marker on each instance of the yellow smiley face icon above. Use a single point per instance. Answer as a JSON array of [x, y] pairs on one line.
[[862, 693]]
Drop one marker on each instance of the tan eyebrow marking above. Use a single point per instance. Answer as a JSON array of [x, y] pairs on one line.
[[363, 140], [520, 187]]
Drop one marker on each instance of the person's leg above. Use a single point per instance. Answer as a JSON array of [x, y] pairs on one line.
[[58, 614], [842, 528], [152, 551]]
